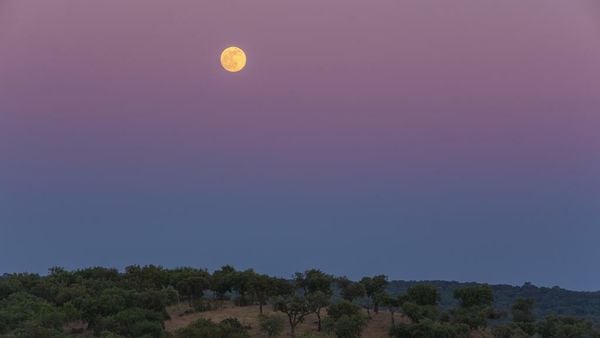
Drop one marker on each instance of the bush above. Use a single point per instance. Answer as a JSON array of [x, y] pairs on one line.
[[475, 317], [346, 326], [205, 328], [556, 326], [133, 322], [345, 320], [429, 329], [418, 313], [271, 325], [34, 329], [336, 311], [423, 294], [231, 327], [481, 295], [21, 310], [201, 305], [509, 331]]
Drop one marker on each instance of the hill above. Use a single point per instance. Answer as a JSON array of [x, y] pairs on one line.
[[152, 301], [548, 301]]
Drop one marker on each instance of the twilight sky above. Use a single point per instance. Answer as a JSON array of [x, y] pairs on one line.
[[423, 139]]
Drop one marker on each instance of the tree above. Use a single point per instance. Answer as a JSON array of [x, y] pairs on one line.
[[475, 307], [420, 303], [295, 307], [21, 309], [523, 316], [423, 294], [392, 304], [190, 283], [316, 301], [132, 322], [522, 311], [337, 310], [313, 280], [481, 295], [263, 287], [271, 325], [350, 290], [345, 320], [60, 277], [192, 287], [222, 281], [146, 277], [242, 282], [316, 286], [568, 327], [348, 326], [418, 313], [374, 287]]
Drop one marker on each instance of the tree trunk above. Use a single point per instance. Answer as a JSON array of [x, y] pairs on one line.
[[292, 326], [318, 321], [260, 306]]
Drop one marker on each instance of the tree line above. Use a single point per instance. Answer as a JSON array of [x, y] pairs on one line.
[[108, 303]]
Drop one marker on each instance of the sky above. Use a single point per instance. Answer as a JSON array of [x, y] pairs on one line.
[[421, 139]]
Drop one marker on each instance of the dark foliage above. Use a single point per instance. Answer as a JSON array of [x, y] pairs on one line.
[[132, 303]]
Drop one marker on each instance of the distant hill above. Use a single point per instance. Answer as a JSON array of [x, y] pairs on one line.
[[548, 301]]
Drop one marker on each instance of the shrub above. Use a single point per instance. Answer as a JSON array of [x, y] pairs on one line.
[[556, 326], [21, 310], [509, 331], [271, 325], [481, 295], [418, 313], [133, 322], [205, 328], [423, 294], [336, 311], [429, 329], [345, 320], [346, 326]]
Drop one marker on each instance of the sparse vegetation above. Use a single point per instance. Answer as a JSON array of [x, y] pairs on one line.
[[147, 301], [271, 325]]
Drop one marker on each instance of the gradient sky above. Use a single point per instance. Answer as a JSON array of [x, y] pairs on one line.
[[423, 139]]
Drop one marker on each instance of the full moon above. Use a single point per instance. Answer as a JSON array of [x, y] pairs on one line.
[[233, 59]]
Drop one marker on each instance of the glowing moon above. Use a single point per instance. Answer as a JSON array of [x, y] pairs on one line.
[[233, 59]]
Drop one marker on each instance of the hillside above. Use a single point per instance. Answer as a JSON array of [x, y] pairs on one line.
[[548, 301], [152, 301], [378, 326]]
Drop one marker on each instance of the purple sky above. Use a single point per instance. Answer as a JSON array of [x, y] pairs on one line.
[[423, 139]]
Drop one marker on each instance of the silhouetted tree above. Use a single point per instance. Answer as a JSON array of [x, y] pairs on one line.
[[345, 320], [350, 290], [475, 304], [295, 307], [264, 287], [316, 301], [313, 281], [374, 287]]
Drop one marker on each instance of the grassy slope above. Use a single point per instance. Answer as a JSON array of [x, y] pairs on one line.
[[248, 315]]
